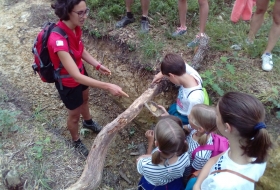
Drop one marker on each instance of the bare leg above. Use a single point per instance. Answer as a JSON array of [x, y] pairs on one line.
[[145, 7], [84, 107], [128, 4], [73, 122], [274, 33], [182, 7], [203, 15], [258, 18]]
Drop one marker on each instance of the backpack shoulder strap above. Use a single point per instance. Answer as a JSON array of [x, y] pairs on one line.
[[63, 33], [193, 90], [200, 148], [60, 31], [235, 173]]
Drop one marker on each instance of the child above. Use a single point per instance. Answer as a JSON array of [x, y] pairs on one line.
[[164, 168], [240, 118], [190, 91], [202, 120], [203, 15]]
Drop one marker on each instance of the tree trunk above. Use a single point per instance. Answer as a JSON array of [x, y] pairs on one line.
[[92, 174], [201, 52]]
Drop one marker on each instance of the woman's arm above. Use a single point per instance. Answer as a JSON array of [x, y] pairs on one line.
[[205, 171], [71, 67], [89, 59]]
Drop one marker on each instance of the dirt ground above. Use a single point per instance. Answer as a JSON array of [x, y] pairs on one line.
[[42, 117]]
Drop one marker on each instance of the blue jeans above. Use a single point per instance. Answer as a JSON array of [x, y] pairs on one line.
[[173, 111]]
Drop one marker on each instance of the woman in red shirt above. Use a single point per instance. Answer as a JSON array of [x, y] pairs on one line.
[[74, 92]]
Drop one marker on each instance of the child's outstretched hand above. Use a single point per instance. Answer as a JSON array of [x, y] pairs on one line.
[[164, 110], [157, 77], [150, 136]]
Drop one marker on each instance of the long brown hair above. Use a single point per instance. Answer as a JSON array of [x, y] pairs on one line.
[[170, 137], [244, 112], [204, 116]]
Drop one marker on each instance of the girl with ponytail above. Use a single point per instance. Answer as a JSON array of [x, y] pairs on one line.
[[240, 118], [164, 168]]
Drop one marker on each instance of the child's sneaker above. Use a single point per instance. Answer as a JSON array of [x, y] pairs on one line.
[[195, 42], [94, 126], [267, 63], [179, 32], [124, 21], [80, 147]]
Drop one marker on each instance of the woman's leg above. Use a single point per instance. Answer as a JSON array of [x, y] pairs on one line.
[[274, 33], [258, 18], [182, 7], [73, 122], [84, 107], [203, 15], [88, 122]]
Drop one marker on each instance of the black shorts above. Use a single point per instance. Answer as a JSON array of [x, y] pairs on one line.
[[72, 97]]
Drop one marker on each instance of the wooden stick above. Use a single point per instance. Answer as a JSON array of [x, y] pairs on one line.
[[92, 174]]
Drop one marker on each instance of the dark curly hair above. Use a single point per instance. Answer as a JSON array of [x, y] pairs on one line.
[[63, 7]]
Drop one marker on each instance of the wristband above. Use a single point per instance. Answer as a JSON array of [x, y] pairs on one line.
[[98, 66]]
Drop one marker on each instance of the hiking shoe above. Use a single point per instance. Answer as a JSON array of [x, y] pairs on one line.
[[195, 42], [180, 31], [267, 63], [81, 148], [94, 126], [125, 21], [144, 26]]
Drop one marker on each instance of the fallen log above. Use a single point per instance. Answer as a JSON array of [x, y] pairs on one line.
[[92, 174], [201, 52]]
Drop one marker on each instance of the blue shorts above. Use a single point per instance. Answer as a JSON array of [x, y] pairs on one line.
[[173, 111], [191, 183], [177, 184]]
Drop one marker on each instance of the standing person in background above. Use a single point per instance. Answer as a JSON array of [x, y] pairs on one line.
[[129, 18], [274, 34], [73, 90], [240, 118], [163, 167], [203, 15]]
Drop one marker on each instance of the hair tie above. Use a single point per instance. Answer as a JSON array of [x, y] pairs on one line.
[[259, 126], [159, 150]]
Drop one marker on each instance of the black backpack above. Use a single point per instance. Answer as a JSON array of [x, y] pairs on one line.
[[42, 61]]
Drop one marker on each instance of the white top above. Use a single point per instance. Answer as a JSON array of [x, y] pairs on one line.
[[159, 174], [185, 100], [201, 157], [229, 181]]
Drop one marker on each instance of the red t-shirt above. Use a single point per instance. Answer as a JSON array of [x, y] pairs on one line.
[[58, 43]]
